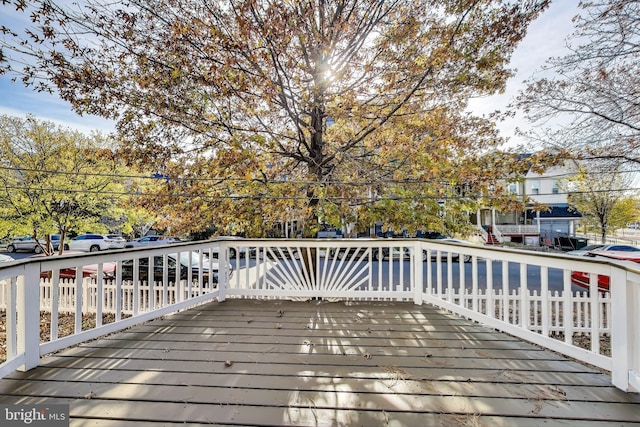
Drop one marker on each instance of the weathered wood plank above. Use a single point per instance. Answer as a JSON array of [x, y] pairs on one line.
[[91, 412], [170, 367], [364, 356], [133, 397], [294, 348], [248, 362], [396, 381]]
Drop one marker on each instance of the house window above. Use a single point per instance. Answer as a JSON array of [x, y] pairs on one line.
[[513, 188], [535, 187], [556, 188]]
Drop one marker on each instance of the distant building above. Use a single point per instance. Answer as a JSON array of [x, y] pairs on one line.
[[547, 220]]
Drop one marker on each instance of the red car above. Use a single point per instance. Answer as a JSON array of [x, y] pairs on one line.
[[581, 279], [108, 269]]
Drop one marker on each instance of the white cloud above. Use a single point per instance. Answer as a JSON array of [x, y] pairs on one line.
[[18, 100]]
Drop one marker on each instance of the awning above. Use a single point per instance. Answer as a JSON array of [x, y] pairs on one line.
[[560, 210]]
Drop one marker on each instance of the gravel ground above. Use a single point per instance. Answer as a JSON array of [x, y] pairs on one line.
[[66, 326]]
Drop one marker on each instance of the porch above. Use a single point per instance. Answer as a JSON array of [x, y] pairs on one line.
[[276, 362], [333, 332]]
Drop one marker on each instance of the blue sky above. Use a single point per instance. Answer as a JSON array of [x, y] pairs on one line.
[[16, 100], [545, 38]]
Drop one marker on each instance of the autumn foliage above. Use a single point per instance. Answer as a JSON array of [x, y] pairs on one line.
[[349, 111]]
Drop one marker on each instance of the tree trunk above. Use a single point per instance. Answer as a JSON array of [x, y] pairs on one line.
[[316, 171]]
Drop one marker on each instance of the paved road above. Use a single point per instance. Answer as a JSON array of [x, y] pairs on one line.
[[17, 255], [533, 274]]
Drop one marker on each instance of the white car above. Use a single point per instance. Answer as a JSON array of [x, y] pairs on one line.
[[151, 241], [593, 250], [119, 242], [92, 243], [27, 244]]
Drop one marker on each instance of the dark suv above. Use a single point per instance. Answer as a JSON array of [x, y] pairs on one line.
[[158, 268], [430, 235]]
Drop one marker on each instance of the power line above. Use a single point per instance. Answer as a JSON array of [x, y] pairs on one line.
[[271, 197], [208, 179], [220, 180]]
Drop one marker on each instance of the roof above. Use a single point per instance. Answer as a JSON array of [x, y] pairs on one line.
[[559, 210]]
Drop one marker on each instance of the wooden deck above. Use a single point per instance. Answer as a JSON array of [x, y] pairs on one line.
[[248, 362]]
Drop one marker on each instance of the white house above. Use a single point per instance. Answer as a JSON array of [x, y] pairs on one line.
[[551, 212], [548, 219]]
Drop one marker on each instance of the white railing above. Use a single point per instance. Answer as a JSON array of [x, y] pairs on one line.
[[101, 304], [483, 233], [509, 307], [497, 233], [526, 294], [151, 295], [517, 229]]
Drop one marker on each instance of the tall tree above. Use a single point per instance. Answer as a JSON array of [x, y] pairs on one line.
[[331, 92], [54, 180], [600, 192], [592, 97]]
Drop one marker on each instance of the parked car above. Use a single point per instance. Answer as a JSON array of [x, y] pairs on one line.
[[581, 279], [275, 252], [433, 235], [54, 239], [444, 254], [108, 268], [151, 241], [238, 250], [92, 243], [633, 256], [343, 253], [587, 250], [119, 242], [395, 252], [584, 250], [26, 244], [29, 244], [186, 259]]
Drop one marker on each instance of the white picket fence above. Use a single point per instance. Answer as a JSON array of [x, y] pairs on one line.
[[150, 295], [507, 308]]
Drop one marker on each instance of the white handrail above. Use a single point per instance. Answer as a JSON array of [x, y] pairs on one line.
[[497, 233], [483, 233], [532, 300]]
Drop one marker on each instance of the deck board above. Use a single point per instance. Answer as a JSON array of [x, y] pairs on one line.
[[250, 362]]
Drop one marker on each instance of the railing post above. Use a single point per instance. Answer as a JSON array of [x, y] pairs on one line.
[[79, 303], [29, 318], [525, 301], [416, 277], [223, 271], [625, 331], [86, 294]]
